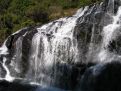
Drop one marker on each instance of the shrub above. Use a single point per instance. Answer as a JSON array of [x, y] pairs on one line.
[[37, 14]]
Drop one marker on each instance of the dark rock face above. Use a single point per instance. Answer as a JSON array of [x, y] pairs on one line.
[[102, 77], [89, 29], [26, 35], [2, 71]]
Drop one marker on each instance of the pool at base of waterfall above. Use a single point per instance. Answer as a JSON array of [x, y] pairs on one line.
[[100, 77], [17, 86]]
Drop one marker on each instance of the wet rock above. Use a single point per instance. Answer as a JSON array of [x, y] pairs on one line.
[[102, 77]]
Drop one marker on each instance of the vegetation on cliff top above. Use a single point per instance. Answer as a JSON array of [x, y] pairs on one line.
[[16, 14]]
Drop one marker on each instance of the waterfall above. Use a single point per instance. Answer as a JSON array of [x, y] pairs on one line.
[[4, 51], [8, 76], [63, 52], [54, 43], [110, 33]]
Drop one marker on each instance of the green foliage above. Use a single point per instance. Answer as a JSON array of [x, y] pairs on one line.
[[4, 4], [37, 14], [16, 14], [87, 2]]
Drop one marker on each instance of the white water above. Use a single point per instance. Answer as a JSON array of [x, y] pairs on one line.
[[110, 33], [54, 43], [61, 41], [4, 51], [8, 77]]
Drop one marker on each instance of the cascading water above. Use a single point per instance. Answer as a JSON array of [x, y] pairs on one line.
[[110, 33], [59, 53], [4, 51], [53, 44]]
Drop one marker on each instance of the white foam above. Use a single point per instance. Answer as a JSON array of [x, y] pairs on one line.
[[108, 35], [53, 43], [7, 76]]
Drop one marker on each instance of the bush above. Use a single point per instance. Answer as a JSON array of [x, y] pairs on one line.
[[37, 14]]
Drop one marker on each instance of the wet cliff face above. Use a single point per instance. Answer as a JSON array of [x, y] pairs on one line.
[[102, 77], [63, 53], [91, 32]]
